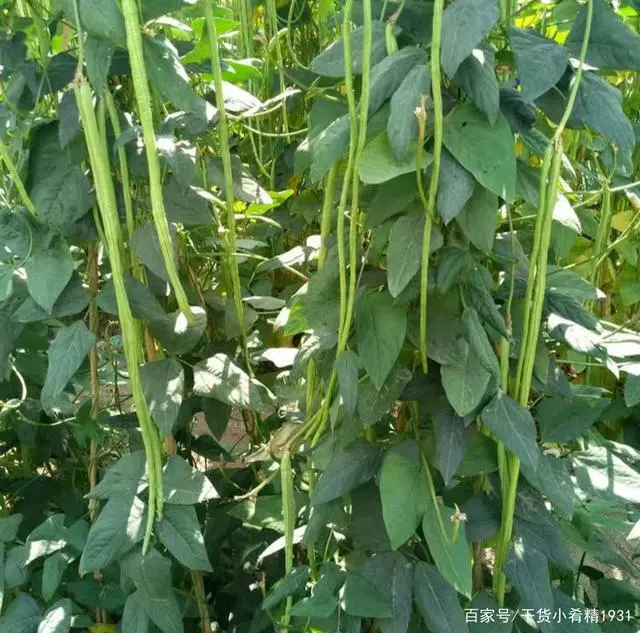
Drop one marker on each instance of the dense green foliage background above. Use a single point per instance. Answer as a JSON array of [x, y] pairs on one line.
[[408, 382]]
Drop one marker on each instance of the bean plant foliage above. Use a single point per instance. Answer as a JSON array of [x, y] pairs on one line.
[[319, 316]]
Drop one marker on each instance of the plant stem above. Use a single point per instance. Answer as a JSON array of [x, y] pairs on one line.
[[327, 209], [5, 157]]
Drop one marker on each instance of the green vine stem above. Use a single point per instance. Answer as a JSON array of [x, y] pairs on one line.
[[230, 234], [5, 157], [289, 519], [327, 209], [534, 300], [436, 91], [273, 22], [143, 99], [100, 167]]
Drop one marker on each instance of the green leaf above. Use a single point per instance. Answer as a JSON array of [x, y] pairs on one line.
[[487, 151], [404, 251], [123, 478], [632, 390], [361, 598], [180, 533], [380, 333], [52, 572], [437, 601], [66, 353], [453, 559], [378, 163], [330, 62], [612, 44], [513, 425], [143, 304], [455, 187], [134, 616], [184, 485], [349, 467], [541, 62], [9, 527], [479, 341], [476, 77], [451, 440], [6, 282], [98, 53], [465, 384], [163, 384], [151, 574], [16, 571], [218, 377], [245, 186], [119, 526], [484, 602], [403, 492], [464, 24], [599, 105], [348, 367], [528, 571], [57, 618], [22, 616], [328, 147], [186, 206], [174, 331], [67, 130], [402, 125], [48, 272], [316, 606], [373, 403], [391, 198], [478, 219], [562, 420], [291, 584], [553, 480], [601, 473], [145, 243]]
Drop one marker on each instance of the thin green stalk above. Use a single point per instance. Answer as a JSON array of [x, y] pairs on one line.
[[436, 90], [228, 177], [273, 21], [143, 99], [535, 299], [5, 157], [100, 167], [289, 520]]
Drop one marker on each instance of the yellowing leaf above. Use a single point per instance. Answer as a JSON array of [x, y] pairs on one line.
[[102, 628], [621, 220]]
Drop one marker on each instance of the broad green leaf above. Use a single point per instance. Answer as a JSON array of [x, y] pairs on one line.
[[452, 263], [478, 219], [67, 130], [134, 616], [373, 403], [218, 377], [349, 467], [9, 527], [16, 571], [245, 185], [176, 334], [291, 584], [570, 284], [437, 601], [564, 604], [6, 282], [145, 243], [453, 559], [553, 480], [476, 77], [404, 251], [163, 384], [403, 492], [479, 341], [57, 618], [22, 616], [184, 485], [186, 206], [541, 62], [98, 53], [599, 105], [487, 151], [402, 125], [464, 24], [391, 198], [380, 333], [612, 44], [455, 187], [601, 473], [378, 163], [348, 367], [151, 574], [66, 353], [328, 146], [361, 598], [180, 533], [119, 526], [315, 606], [52, 572], [451, 440], [15, 235], [478, 293], [143, 304], [514, 426], [388, 75], [482, 601], [547, 539], [125, 477], [528, 571], [465, 384], [632, 390], [331, 63], [48, 272], [99, 18], [562, 420]]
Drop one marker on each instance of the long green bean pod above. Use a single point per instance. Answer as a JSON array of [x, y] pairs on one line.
[[289, 519], [143, 99], [436, 91], [5, 157], [228, 177], [534, 298], [100, 167]]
